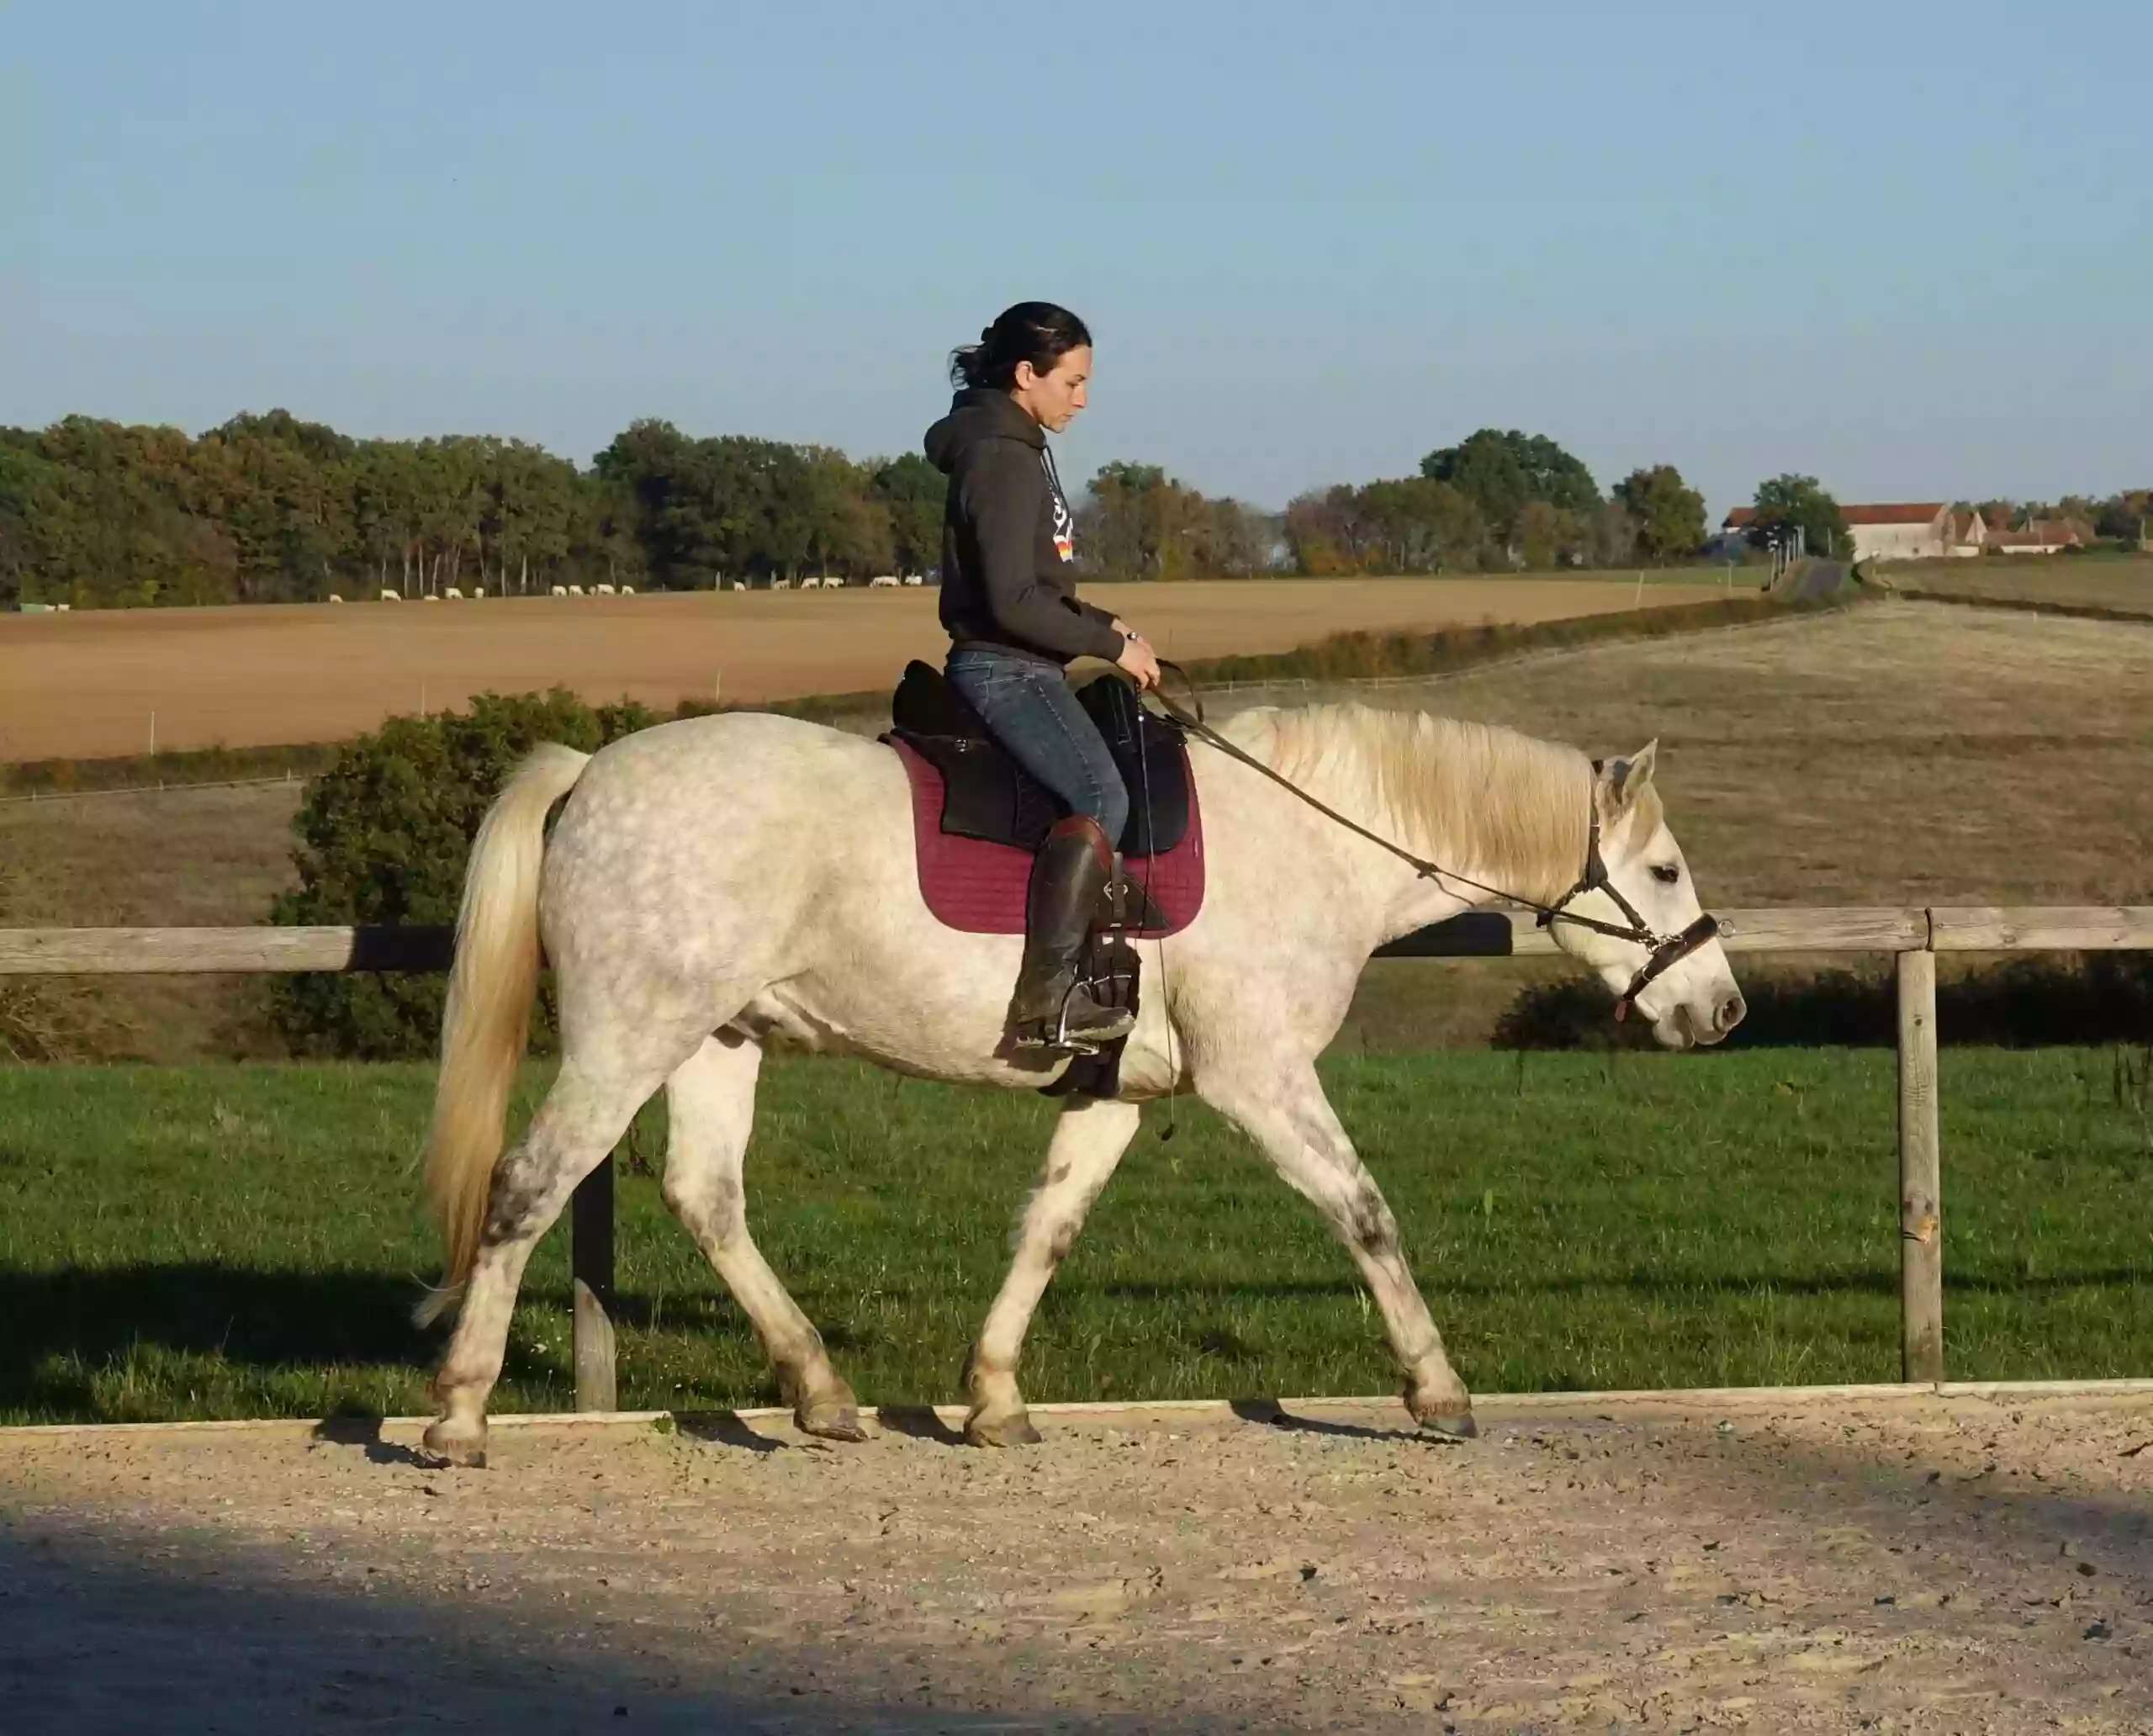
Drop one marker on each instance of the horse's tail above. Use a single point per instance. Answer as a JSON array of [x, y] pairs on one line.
[[487, 1018]]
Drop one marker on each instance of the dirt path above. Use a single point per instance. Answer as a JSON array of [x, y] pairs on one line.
[[1948, 1564]]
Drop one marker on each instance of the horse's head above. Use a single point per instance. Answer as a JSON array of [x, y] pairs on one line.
[[1692, 1000]]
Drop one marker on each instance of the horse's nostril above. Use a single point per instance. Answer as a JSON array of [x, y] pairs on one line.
[[1731, 1011]]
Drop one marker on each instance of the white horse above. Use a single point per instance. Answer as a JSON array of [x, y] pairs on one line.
[[718, 882]]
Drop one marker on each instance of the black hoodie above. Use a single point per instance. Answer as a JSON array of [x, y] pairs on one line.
[[1009, 536]]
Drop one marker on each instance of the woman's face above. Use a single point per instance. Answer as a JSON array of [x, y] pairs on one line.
[[1053, 400]]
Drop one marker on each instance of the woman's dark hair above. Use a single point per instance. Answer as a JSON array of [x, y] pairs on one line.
[[1035, 331]]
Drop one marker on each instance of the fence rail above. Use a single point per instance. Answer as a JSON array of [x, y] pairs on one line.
[[1914, 938]]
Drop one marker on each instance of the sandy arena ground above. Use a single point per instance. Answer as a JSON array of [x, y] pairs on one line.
[[1870, 1561], [84, 685]]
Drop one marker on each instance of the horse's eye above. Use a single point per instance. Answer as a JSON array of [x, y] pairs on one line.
[[1666, 873]]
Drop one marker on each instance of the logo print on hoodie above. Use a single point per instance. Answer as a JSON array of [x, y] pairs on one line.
[[1065, 521]]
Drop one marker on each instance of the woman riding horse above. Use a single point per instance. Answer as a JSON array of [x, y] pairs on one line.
[[1009, 601]]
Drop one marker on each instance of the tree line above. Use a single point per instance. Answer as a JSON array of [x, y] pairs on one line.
[[270, 508], [273, 509]]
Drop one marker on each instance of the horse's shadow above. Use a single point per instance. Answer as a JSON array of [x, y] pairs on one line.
[[365, 1431], [1273, 1415], [917, 1422]]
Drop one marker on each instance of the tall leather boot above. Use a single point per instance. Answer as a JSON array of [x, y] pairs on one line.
[[1050, 1009]]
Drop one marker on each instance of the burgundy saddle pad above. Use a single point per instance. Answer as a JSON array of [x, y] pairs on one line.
[[979, 887]]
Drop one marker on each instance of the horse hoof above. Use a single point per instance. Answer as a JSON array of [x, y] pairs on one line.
[[831, 1422], [1010, 1432], [454, 1447], [1451, 1426]]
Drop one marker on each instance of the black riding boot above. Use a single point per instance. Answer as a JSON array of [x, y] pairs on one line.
[[1051, 1009]]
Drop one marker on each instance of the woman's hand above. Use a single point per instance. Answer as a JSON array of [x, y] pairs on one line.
[[1138, 660]]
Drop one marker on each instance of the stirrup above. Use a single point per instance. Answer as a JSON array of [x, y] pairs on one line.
[[1062, 1040]]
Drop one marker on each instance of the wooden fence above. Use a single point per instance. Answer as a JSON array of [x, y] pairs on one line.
[[1914, 938]]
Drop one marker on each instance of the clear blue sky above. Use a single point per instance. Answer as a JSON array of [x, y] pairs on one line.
[[1907, 248]]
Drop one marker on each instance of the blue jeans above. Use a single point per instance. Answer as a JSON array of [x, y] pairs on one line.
[[1028, 707]]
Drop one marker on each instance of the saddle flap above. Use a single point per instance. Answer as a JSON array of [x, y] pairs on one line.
[[1153, 764], [985, 794]]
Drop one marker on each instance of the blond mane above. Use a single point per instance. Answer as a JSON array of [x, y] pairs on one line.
[[1506, 808]]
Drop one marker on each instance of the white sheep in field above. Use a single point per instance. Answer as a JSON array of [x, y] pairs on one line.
[[601, 590], [811, 583], [880, 580], [781, 584], [628, 590], [560, 591], [392, 596], [575, 591], [428, 599], [334, 598], [914, 579], [833, 582], [453, 595]]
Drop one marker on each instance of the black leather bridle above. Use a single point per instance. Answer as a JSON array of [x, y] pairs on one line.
[[1663, 952]]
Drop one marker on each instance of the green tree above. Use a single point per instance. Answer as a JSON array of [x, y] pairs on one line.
[[2127, 517], [1415, 525], [1667, 515], [384, 837], [1501, 472], [915, 493], [1787, 501]]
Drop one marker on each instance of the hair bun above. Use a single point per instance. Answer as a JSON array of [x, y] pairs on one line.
[[986, 333]]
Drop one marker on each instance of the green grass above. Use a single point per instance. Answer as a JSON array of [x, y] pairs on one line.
[[244, 1241]]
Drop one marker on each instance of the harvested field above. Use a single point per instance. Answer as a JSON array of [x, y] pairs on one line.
[[1767, 1563], [83, 685], [2081, 582], [178, 858]]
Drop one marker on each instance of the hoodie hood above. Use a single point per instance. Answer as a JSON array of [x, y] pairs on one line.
[[975, 414]]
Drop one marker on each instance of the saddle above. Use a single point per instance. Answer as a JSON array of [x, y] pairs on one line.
[[987, 796], [977, 817]]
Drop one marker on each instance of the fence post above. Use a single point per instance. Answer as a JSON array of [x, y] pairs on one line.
[[1921, 1209], [590, 1260]]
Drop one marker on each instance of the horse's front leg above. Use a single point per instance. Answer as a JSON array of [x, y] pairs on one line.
[[1282, 1106], [1088, 1141]]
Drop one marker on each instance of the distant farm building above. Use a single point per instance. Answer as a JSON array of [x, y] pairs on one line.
[[1917, 530], [2039, 536]]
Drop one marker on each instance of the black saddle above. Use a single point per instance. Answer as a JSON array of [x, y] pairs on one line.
[[986, 795]]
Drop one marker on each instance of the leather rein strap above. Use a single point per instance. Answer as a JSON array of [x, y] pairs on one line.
[[1663, 951]]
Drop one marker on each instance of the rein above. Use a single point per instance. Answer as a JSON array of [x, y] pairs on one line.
[[1663, 951]]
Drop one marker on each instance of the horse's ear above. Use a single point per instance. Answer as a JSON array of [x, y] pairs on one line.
[[1621, 781]]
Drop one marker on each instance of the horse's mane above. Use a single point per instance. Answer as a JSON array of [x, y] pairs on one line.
[[1508, 809]]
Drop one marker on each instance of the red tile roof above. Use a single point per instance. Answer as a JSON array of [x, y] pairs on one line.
[[1917, 512]]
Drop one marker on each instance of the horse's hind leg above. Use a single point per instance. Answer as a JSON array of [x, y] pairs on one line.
[[1088, 1141], [1283, 1109], [582, 1118], [711, 1102]]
